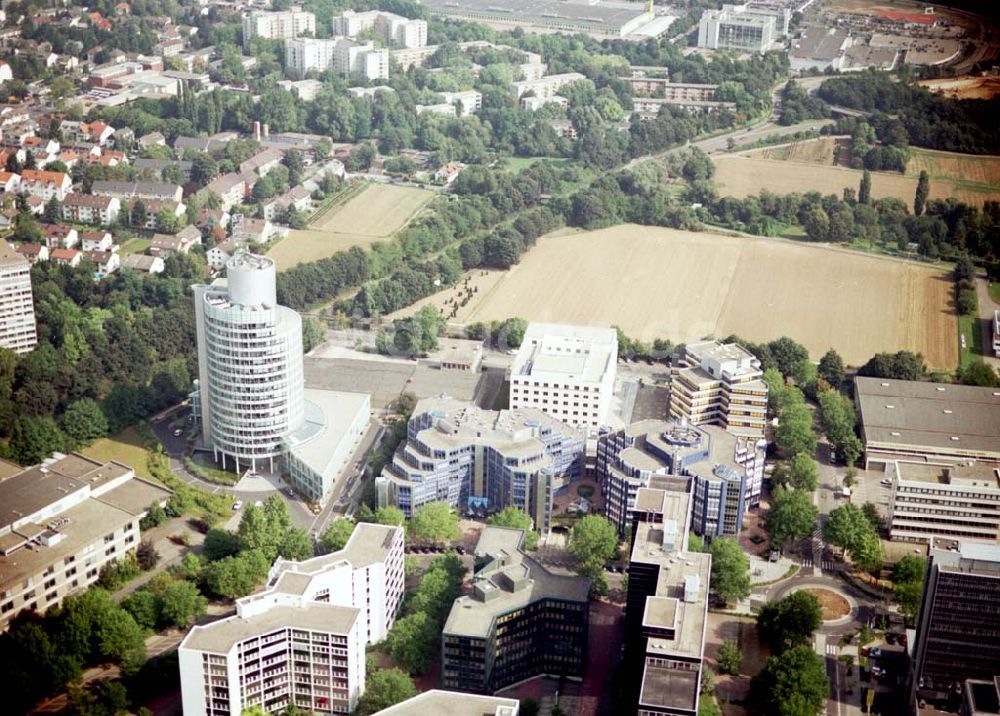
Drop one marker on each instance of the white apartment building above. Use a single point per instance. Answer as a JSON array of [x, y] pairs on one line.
[[17, 310], [340, 55], [544, 87], [250, 385], [719, 384], [277, 25], [396, 29], [303, 637], [91, 209], [957, 501], [60, 522], [567, 372], [45, 185], [469, 101]]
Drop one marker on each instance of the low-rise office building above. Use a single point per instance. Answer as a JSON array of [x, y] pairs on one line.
[[302, 639], [927, 422], [960, 501], [719, 384], [958, 628], [725, 471], [520, 621], [453, 703], [458, 453], [60, 522], [667, 607], [567, 372]]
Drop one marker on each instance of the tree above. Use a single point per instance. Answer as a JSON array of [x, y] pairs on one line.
[[865, 189], [787, 353], [831, 369], [236, 576], [802, 472], [793, 684], [35, 438], [144, 607], [922, 192], [312, 334], [84, 421], [53, 211], [336, 535], [385, 688], [518, 519], [846, 527], [413, 641], [729, 657], [593, 541], [146, 555], [389, 515], [180, 603], [219, 544], [871, 513], [908, 596], [139, 215], [792, 516], [296, 545], [868, 553], [909, 568], [434, 522], [977, 372], [790, 621], [794, 433], [730, 569]]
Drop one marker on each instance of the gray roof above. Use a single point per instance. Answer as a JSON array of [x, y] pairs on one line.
[[452, 703]]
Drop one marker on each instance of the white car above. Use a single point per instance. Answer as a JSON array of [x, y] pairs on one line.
[[885, 483], [258, 503], [238, 505]]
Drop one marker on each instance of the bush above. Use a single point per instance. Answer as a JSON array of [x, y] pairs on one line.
[[116, 573]]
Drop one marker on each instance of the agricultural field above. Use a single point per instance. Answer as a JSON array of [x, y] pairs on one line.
[[373, 215], [973, 179], [965, 87], [656, 282], [815, 151]]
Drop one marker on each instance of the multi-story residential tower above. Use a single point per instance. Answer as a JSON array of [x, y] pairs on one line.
[[567, 372], [341, 55], [465, 456], [17, 311], [725, 471], [394, 28], [666, 609], [520, 621], [958, 628], [60, 522], [277, 25], [250, 364], [719, 384], [303, 638], [959, 501], [453, 703]]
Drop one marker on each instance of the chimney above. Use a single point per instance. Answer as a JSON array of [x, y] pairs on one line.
[[256, 131]]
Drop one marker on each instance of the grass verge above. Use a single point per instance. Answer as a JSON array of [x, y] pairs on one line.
[[204, 468], [968, 326]]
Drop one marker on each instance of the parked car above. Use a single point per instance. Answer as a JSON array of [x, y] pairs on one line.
[[178, 432], [238, 505]]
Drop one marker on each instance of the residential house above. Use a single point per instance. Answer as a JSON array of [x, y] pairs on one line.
[[10, 182], [297, 197], [153, 208], [157, 166], [138, 190], [58, 236], [152, 139], [230, 188], [262, 162], [34, 252], [107, 262], [163, 245], [255, 231], [218, 255], [46, 185], [96, 241], [90, 209], [65, 257], [141, 263], [208, 219]]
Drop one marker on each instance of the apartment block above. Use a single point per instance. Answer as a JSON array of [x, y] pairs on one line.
[[90, 209], [395, 29], [302, 639], [958, 628], [719, 384], [468, 102], [722, 471], [60, 522], [960, 501], [520, 621], [341, 55], [458, 453], [544, 87], [17, 309], [45, 185], [453, 703], [567, 372], [666, 609], [277, 25]]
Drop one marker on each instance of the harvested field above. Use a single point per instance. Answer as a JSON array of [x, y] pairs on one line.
[[974, 178], [965, 87], [814, 151], [656, 282], [740, 176], [373, 215]]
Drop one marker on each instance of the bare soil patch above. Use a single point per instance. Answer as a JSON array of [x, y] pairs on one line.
[[834, 605]]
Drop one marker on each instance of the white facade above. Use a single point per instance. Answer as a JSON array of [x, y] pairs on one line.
[[736, 27], [340, 55], [277, 25], [250, 364], [394, 28], [303, 638], [567, 372], [469, 102], [996, 333], [17, 310], [544, 87]]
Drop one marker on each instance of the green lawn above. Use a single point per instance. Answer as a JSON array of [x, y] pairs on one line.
[[135, 246], [516, 164], [208, 470], [995, 291], [126, 447], [969, 327]]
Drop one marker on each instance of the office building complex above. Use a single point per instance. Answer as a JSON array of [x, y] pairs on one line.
[[340, 55], [958, 629], [520, 621], [277, 25], [17, 310], [453, 703], [465, 456], [960, 501], [60, 522], [395, 29], [666, 609], [725, 471], [719, 384], [567, 372], [251, 399], [302, 639], [927, 422], [738, 27]]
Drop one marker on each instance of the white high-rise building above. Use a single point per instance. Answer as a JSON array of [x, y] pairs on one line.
[[341, 55], [394, 28], [17, 312], [303, 637], [277, 25], [251, 388], [567, 372]]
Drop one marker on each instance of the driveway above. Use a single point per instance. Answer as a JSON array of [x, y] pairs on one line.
[[986, 312]]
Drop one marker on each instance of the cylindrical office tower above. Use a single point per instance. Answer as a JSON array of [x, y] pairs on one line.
[[249, 364]]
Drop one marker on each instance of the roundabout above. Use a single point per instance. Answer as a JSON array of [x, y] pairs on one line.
[[838, 608]]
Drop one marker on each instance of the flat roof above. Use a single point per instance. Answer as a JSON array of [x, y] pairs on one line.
[[976, 475], [915, 415], [598, 15], [562, 352], [329, 416], [10, 257], [452, 703]]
